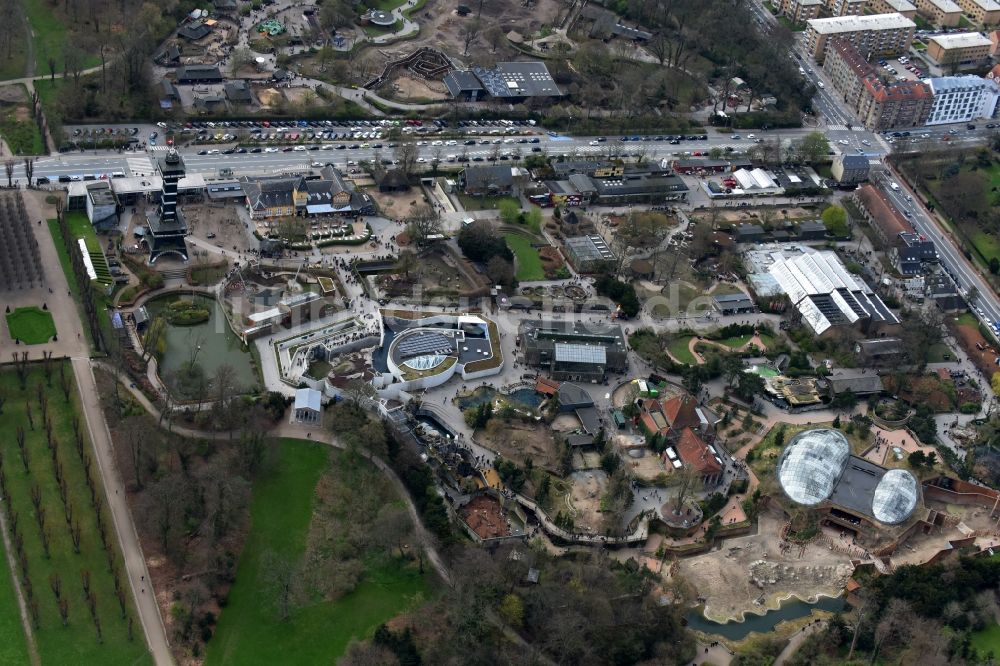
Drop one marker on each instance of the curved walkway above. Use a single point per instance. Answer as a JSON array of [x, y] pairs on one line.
[[695, 341], [409, 27]]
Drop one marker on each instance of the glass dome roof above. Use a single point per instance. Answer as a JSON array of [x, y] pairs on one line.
[[895, 497], [425, 362], [811, 464]]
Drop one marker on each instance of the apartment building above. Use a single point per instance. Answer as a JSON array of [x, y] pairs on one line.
[[891, 106], [800, 11], [847, 71], [943, 13], [986, 12], [904, 7], [959, 99], [846, 7], [872, 35], [959, 50]]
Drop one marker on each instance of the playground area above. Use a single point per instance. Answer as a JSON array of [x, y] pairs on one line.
[[270, 28]]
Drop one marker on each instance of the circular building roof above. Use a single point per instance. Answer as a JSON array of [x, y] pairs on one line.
[[378, 17], [811, 464], [895, 497]]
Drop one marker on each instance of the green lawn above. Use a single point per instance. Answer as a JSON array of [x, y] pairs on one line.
[[249, 631], [31, 325], [938, 352], [987, 640], [735, 342], [791, 25], [968, 319], [529, 264], [22, 135], [679, 349], [470, 202], [13, 644], [78, 642], [50, 37], [13, 67], [384, 5]]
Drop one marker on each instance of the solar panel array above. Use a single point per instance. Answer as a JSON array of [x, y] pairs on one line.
[[424, 343]]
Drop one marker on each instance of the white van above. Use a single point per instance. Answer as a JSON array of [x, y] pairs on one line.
[[894, 186], [821, 84]]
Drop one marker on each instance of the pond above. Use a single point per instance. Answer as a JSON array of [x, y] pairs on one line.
[[791, 609], [210, 344], [522, 396]]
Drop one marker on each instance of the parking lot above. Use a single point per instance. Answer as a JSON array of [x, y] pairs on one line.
[[903, 68]]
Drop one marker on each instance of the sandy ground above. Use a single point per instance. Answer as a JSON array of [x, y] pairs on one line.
[[724, 577], [520, 441], [225, 222], [440, 27], [585, 497], [408, 87], [396, 206]]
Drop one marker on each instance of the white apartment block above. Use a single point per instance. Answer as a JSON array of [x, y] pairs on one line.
[[872, 35], [959, 99]]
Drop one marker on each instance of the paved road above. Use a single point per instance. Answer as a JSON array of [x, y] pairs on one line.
[[135, 562], [953, 260]]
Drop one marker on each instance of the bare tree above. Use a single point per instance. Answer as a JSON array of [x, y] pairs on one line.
[[469, 31], [29, 168], [407, 153], [423, 221], [280, 574], [8, 166], [686, 483]]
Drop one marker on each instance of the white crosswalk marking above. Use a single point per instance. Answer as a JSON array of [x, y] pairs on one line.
[[158, 149], [138, 165], [836, 127]]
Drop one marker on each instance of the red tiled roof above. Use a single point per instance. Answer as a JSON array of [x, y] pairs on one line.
[[694, 452], [900, 91], [546, 386], [883, 213], [648, 423], [680, 411]]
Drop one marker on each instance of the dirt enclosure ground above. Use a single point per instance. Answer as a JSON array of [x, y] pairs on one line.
[[441, 28], [585, 498], [519, 441], [725, 578], [412, 88], [984, 359]]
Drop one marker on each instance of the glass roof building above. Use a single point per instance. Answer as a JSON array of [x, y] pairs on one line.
[[811, 465], [817, 468], [895, 497]]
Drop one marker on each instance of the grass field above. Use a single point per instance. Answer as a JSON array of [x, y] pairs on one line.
[[470, 202], [987, 640], [51, 37], [529, 264], [32, 326], [13, 644], [987, 245], [249, 631], [938, 352], [679, 349], [735, 342], [78, 642], [21, 131]]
